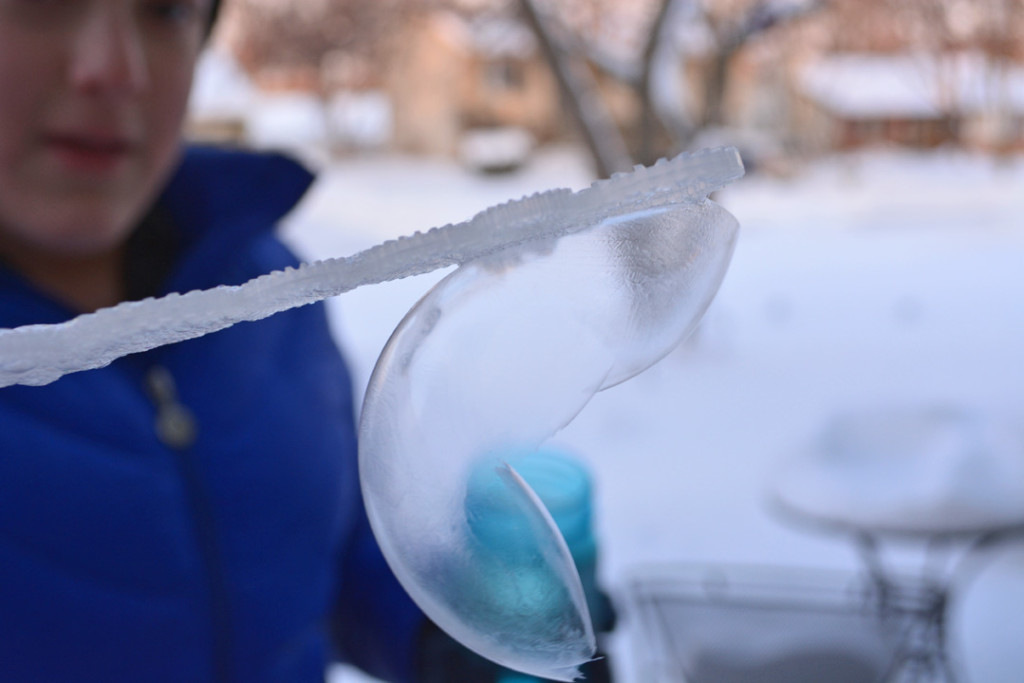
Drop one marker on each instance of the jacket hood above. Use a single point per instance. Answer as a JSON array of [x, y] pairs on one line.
[[221, 199]]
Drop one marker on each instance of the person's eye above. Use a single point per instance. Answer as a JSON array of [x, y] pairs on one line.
[[174, 11]]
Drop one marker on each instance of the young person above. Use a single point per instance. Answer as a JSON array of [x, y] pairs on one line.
[[190, 513]]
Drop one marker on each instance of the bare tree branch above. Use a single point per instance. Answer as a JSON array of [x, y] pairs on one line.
[[580, 95], [649, 122]]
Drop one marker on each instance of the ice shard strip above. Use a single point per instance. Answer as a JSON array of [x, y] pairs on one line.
[[499, 356], [39, 354]]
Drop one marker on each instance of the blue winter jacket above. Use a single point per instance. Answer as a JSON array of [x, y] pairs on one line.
[[193, 513]]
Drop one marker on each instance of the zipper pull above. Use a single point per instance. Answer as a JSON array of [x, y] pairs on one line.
[[175, 424]]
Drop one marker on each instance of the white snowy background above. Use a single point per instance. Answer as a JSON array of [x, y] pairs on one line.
[[881, 279], [885, 278]]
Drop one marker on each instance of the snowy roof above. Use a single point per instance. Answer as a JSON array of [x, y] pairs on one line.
[[910, 85]]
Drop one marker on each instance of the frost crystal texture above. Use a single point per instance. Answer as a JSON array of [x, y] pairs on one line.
[[40, 354], [495, 359]]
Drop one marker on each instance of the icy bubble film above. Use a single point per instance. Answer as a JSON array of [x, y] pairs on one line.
[[498, 357], [559, 295], [39, 354]]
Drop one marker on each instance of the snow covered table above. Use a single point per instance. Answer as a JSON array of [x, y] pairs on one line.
[[945, 477]]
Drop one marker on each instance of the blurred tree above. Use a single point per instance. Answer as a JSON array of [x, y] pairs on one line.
[[733, 31], [665, 126], [580, 94]]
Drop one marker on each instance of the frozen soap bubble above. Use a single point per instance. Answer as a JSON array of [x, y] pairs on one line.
[[495, 359]]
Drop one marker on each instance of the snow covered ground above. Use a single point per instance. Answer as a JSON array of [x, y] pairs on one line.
[[885, 279]]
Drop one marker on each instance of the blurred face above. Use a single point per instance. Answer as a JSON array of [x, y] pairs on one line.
[[92, 98]]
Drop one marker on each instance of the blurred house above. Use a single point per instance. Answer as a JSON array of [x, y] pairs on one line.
[[794, 76], [457, 70], [451, 74], [870, 72], [853, 100]]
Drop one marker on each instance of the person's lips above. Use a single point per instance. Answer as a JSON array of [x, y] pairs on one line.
[[94, 152]]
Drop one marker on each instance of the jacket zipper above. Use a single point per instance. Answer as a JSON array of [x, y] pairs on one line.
[[177, 429]]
